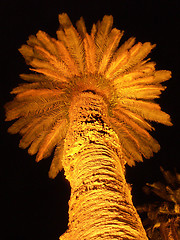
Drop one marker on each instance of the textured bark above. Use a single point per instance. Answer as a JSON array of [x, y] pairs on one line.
[[100, 205]]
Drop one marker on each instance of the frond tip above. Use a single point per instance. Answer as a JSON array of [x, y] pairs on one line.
[[76, 62]]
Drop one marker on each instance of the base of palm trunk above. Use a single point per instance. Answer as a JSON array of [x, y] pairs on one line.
[[100, 205]]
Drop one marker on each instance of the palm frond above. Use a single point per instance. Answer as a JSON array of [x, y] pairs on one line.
[[112, 43], [30, 131], [103, 29], [32, 78], [148, 110], [35, 145], [50, 62], [90, 54], [81, 27], [65, 56], [46, 42], [56, 164], [53, 137], [72, 40], [17, 126], [120, 57]]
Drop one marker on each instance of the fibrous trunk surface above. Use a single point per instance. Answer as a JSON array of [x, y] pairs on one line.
[[100, 205]]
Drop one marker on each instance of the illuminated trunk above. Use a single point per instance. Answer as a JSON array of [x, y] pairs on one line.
[[100, 205]]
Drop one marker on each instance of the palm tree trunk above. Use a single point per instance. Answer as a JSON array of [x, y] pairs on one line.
[[100, 205]]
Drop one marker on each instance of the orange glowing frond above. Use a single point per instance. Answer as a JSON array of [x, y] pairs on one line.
[[33, 94], [65, 56], [103, 28], [72, 40], [79, 62], [141, 92], [90, 53], [54, 76], [112, 43], [81, 27], [54, 63], [32, 78], [129, 147], [30, 131], [122, 115], [135, 118], [46, 42], [161, 76], [27, 52], [56, 164], [137, 53], [34, 147], [148, 110], [17, 126], [135, 132], [120, 57], [57, 133]]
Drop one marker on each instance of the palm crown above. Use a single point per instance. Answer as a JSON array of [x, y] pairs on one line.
[[79, 62]]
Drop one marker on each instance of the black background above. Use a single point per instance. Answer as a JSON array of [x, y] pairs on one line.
[[33, 206]]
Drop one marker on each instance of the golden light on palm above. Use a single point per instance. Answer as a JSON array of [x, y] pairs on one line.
[[92, 101]]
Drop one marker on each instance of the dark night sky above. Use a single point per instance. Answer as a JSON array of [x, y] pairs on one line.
[[33, 206]]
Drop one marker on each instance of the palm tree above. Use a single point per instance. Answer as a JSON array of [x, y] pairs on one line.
[[163, 217], [92, 102]]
